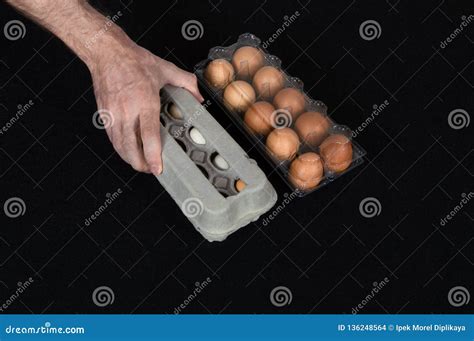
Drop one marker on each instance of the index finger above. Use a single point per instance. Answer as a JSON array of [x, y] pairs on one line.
[[186, 80]]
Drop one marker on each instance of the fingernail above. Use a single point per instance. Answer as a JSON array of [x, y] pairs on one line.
[[156, 170]]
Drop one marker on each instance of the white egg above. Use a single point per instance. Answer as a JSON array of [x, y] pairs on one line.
[[220, 162], [196, 136]]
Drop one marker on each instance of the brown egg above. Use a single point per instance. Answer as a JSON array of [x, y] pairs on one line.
[[336, 151], [240, 185], [283, 143], [306, 171], [259, 117], [239, 95], [219, 73], [246, 61], [312, 127], [268, 81], [290, 99], [174, 111]]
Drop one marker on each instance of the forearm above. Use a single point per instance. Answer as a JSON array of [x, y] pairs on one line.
[[127, 78], [84, 30]]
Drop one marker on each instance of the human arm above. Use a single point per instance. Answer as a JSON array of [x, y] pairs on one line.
[[126, 77]]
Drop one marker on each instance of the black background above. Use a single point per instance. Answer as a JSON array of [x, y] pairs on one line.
[[320, 247]]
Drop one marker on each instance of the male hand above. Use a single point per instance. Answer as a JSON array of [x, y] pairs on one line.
[[127, 86], [127, 78]]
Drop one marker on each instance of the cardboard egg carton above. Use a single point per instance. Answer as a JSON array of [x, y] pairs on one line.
[[205, 187]]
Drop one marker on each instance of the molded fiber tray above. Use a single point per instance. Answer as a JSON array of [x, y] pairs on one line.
[[206, 193]]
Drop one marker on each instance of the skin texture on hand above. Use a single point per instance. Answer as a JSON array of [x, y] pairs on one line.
[[127, 86], [127, 78]]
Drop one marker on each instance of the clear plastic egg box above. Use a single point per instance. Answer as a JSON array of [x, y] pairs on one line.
[[226, 53]]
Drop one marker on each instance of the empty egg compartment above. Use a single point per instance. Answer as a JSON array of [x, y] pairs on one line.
[[273, 110], [211, 164]]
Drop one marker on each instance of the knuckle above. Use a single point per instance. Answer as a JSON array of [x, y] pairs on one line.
[[127, 116], [148, 131], [169, 67], [193, 79]]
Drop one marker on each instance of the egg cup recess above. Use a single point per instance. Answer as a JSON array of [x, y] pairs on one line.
[[193, 143], [212, 180], [257, 83]]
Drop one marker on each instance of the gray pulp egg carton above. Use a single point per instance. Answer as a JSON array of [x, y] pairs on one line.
[[203, 189]]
